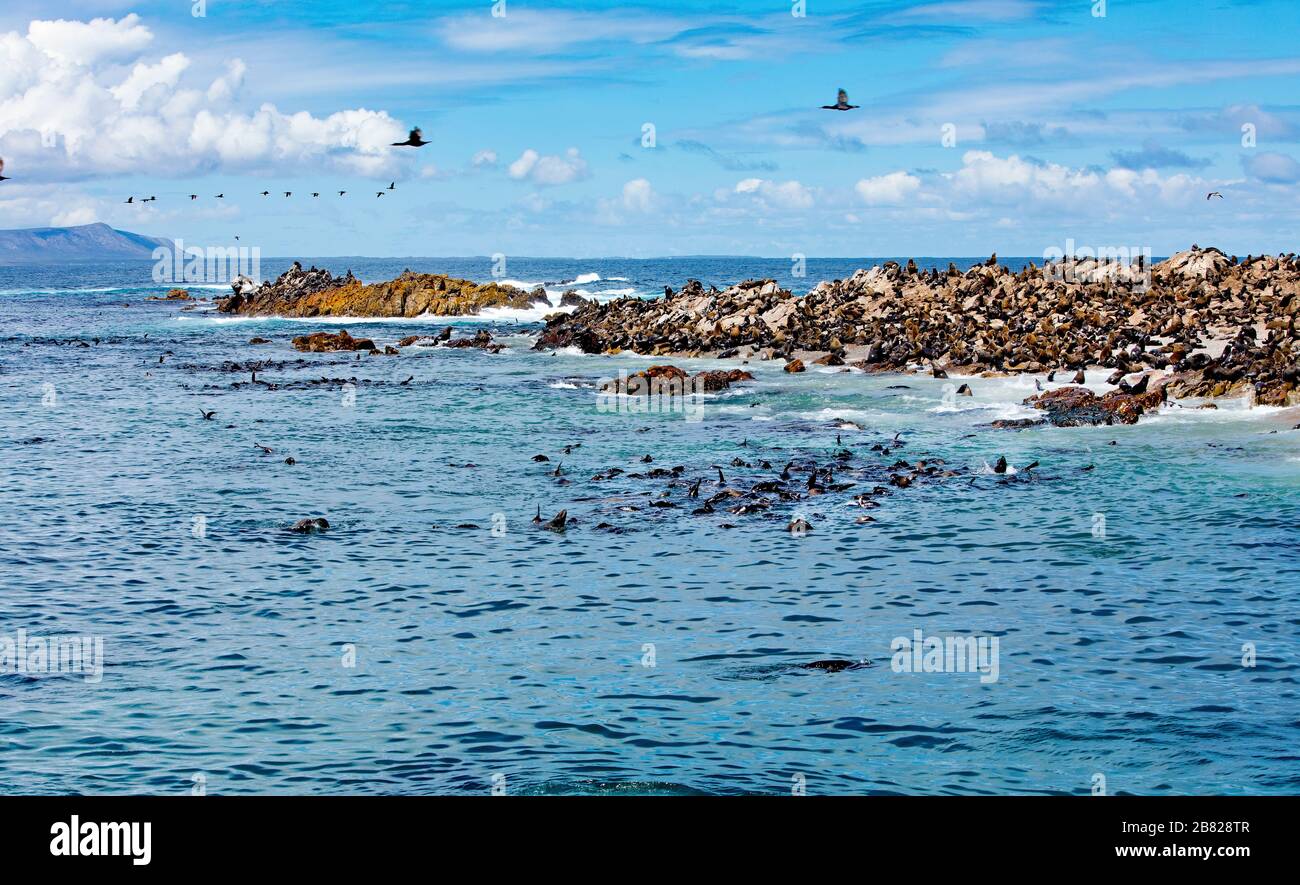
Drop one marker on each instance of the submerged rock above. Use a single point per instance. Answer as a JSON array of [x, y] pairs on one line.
[[173, 295]]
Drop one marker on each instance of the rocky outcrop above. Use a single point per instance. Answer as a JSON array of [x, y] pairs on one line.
[[316, 292], [1216, 323], [172, 295], [328, 342], [720, 379], [1078, 406], [674, 381]]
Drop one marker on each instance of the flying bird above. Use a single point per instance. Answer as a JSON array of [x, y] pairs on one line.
[[380, 194], [392, 186], [3, 177], [315, 195], [841, 103], [1214, 194], [130, 200], [341, 193], [415, 139], [221, 196], [150, 200], [207, 416], [194, 196], [288, 193], [266, 193]]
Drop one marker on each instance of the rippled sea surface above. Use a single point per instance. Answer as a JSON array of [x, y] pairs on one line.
[[1142, 582]]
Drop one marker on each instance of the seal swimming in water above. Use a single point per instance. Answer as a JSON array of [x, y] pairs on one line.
[[834, 665]]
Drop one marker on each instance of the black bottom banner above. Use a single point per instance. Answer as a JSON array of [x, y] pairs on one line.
[[334, 834]]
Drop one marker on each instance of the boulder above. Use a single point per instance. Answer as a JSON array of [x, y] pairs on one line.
[[328, 342]]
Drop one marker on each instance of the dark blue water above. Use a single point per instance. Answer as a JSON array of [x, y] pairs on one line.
[[400, 653]]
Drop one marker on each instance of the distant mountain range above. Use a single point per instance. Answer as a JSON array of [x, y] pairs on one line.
[[87, 242]]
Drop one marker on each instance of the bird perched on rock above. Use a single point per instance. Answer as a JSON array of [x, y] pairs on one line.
[[841, 103], [415, 139]]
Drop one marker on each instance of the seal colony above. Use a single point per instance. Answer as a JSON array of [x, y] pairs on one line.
[[1199, 324]]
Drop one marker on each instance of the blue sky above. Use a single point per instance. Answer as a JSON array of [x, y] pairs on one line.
[[1063, 125]]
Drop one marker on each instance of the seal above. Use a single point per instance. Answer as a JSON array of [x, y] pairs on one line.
[[834, 665]]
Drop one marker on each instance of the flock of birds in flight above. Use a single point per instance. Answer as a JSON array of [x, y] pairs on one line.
[[416, 140]]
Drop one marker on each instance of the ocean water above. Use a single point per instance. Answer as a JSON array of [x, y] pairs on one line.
[[1141, 582]]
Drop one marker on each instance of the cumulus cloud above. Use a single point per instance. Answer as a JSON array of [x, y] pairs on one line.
[[85, 43], [783, 195], [638, 195], [988, 183], [888, 190], [550, 169], [484, 158], [81, 98]]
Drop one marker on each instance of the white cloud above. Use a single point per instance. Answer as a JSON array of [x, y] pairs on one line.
[[638, 195], [485, 158], [85, 43], [74, 217], [888, 190], [785, 195], [550, 169], [990, 179], [166, 73], [69, 109], [988, 184]]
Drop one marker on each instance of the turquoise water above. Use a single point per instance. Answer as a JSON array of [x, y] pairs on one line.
[[401, 653]]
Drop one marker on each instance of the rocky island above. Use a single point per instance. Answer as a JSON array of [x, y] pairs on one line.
[[1201, 323], [318, 293]]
